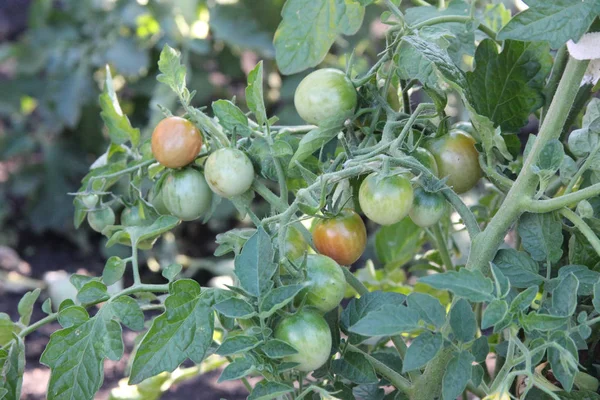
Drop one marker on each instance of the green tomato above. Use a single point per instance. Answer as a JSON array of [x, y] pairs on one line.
[[131, 216], [100, 219], [427, 208], [425, 157], [326, 283], [186, 194], [90, 200], [307, 332], [295, 244], [325, 95], [465, 126], [385, 200], [229, 172], [457, 158]]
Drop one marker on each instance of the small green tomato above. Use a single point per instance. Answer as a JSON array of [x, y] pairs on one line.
[[186, 194], [229, 172], [427, 208]]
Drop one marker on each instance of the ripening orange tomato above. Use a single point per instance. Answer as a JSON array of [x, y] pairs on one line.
[[176, 142]]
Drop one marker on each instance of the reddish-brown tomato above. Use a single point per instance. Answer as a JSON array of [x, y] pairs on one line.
[[176, 142], [342, 238]]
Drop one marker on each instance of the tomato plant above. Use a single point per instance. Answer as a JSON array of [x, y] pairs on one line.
[[343, 237], [176, 142], [508, 273]]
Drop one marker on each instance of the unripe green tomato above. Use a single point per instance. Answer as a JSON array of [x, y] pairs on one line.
[[325, 95], [131, 216], [186, 194], [295, 244], [457, 158], [229, 172], [100, 219], [427, 207], [425, 157], [385, 200], [326, 281], [307, 332], [90, 200]]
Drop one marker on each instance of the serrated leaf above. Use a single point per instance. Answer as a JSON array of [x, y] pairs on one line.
[[254, 266], [523, 300], [231, 117], [313, 141], [92, 292], [235, 308], [480, 349], [494, 313], [564, 296], [541, 236], [355, 367], [254, 94], [397, 244], [237, 344], [278, 298], [266, 390], [429, 308], [309, 28], [12, 368], [586, 277], [462, 321], [471, 285], [563, 361], [25, 306], [359, 308], [172, 72], [239, 368], [457, 375], [118, 125], [519, 73], [72, 315], [554, 21], [543, 322], [183, 331], [76, 354], [277, 349], [422, 350], [113, 270], [518, 267], [128, 312], [550, 157], [388, 320]]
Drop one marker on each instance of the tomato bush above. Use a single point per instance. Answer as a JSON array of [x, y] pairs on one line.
[[449, 283]]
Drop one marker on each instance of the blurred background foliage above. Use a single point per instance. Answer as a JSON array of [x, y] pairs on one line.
[[52, 68]]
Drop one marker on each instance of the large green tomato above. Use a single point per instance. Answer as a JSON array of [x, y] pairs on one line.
[[229, 172], [186, 194], [100, 219], [343, 237], [326, 281], [307, 332], [457, 158], [427, 208], [385, 200], [325, 95]]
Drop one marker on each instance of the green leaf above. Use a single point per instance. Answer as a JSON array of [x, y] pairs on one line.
[[237, 344], [12, 366], [7, 329], [397, 244], [494, 313], [422, 350], [235, 308], [541, 236], [359, 308], [515, 92], [254, 94], [550, 158], [518, 267], [47, 306], [596, 300], [554, 21], [254, 266], [231, 117], [564, 361], [542, 322], [524, 299], [113, 270], [171, 272], [429, 308], [586, 277], [501, 281], [277, 349], [183, 331], [471, 285], [266, 390], [367, 392], [462, 321], [313, 141], [355, 367], [480, 349], [239, 368], [92, 292], [76, 355], [118, 125], [309, 28], [564, 296], [278, 298], [389, 319], [128, 312], [457, 375], [476, 374], [71, 315], [25, 306], [172, 72]]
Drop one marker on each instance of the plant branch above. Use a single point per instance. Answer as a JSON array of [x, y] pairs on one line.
[[442, 247], [456, 18], [582, 227], [395, 378], [542, 206]]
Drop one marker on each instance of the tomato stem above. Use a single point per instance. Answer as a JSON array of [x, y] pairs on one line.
[[442, 247]]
